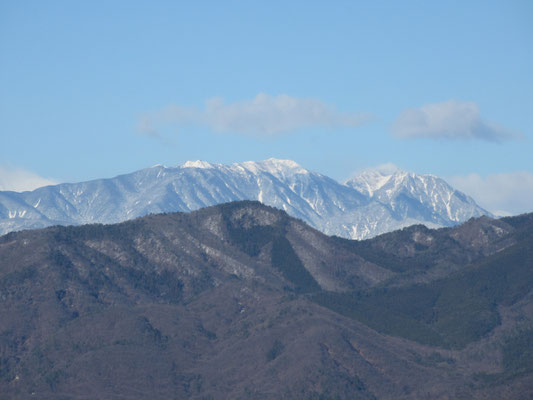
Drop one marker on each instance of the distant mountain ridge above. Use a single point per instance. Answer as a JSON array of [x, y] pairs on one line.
[[368, 204]]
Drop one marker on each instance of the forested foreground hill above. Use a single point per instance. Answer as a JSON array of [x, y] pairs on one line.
[[242, 301]]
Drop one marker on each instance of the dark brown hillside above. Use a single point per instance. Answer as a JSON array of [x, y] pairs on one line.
[[240, 301], [418, 254]]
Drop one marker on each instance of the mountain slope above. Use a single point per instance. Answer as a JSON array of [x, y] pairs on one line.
[[242, 301], [346, 210], [452, 285], [413, 198]]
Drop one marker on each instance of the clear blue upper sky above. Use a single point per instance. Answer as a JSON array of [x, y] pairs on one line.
[[95, 89]]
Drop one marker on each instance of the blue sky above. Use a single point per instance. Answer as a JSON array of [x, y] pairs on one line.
[[96, 89]]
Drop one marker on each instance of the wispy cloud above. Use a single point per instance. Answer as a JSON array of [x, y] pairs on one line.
[[19, 180], [262, 115], [449, 120], [502, 194], [385, 169]]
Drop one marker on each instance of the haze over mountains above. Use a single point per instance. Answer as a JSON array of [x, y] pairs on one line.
[[368, 204], [242, 301]]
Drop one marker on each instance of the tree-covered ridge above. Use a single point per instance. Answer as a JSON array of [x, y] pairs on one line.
[[243, 293]]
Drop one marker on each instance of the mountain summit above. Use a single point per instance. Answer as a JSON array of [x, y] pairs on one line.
[[369, 204], [423, 197]]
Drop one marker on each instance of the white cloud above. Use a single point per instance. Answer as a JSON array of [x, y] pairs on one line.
[[262, 115], [502, 194], [449, 120], [386, 169], [19, 180]]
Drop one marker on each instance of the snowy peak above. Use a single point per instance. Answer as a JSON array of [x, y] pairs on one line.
[[388, 183], [369, 181], [423, 197], [275, 167], [198, 164]]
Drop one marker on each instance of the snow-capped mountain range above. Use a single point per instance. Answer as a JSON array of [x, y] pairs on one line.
[[370, 203]]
